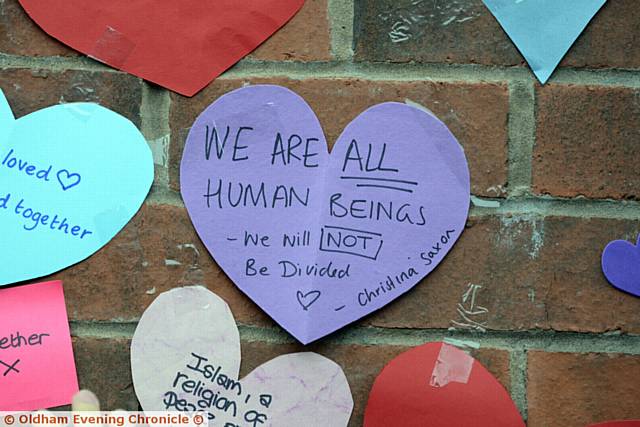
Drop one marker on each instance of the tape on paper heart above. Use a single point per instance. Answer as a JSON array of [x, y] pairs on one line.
[[71, 177], [319, 240], [621, 265], [185, 356], [442, 384], [181, 45]]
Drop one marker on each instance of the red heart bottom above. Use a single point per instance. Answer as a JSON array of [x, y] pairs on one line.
[[402, 395]]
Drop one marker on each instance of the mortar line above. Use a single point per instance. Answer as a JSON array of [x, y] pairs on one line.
[[103, 330], [165, 196], [541, 207], [154, 115], [154, 111], [576, 208], [251, 68], [549, 341], [54, 63], [518, 372], [384, 71], [624, 78], [341, 18], [467, 73], [521, 131]]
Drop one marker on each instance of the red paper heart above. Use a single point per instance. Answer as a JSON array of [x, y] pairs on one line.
[[181, 45], [467, 395]]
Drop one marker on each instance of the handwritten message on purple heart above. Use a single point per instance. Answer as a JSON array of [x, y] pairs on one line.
[[621, 265], [319, 240]]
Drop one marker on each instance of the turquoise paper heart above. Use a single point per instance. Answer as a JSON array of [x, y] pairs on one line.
[[71, 177]]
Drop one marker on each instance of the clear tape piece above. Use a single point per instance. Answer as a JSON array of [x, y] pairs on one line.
[[112, 48], [452, 365]]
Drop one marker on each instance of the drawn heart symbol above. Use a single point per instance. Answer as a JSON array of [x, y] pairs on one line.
[[621, 265], [439, 385], [179, 45], [306, 300], [68, 180], [45, 227], [320, 241], [185, 356]]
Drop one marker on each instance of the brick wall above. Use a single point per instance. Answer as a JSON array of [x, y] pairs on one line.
[[554, 172]]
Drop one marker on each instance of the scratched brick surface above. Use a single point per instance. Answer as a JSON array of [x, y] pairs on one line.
[[574, 390], [465, 32], [587, 142], [28, 90], [439, 31], [530, 274], [19, 35]]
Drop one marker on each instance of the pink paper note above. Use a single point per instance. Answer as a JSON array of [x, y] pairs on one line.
[[37, 369]]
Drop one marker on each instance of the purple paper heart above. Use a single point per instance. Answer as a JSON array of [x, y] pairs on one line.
[[621, 265], [319, 240]]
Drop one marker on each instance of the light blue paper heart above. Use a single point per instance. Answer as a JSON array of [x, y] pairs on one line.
[[71, 177], [544, 30]]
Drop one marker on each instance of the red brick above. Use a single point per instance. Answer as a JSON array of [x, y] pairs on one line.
[[305, 38], [104, 367], [534, 273], [610, 40], [437, 31], [491, 253], [31, 90], [576, 295], [537, 274], [465, 32], [475, 113], [496, 362], [362, 364], [575, 390], [587, 142], [158, 250], [19, 35]]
